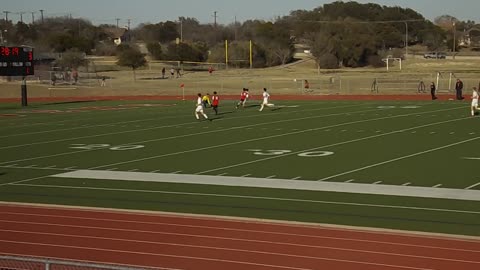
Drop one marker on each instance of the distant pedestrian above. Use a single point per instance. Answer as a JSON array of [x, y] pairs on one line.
[[172, 73], [178, 73], [215, 102], [163, 73], [421, 87], [433, 90], [210, 70], [306, 84], [104, 83], [75, 76], [459, 89]]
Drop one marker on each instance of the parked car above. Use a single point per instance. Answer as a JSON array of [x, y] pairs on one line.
[[435, 55]]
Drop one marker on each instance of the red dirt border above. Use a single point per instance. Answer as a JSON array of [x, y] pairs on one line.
[[188, 242]]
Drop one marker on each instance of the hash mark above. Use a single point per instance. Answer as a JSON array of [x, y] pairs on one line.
[[437, 185], [406, 184], [378, 182], [271, 176], [296, 178], [472, 186], [245, 175]]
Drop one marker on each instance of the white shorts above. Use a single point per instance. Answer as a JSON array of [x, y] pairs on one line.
[[199, 109], [474, 102]]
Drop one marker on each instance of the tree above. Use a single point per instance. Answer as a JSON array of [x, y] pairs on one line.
[[155, 49], [73, 59], [131, 57]]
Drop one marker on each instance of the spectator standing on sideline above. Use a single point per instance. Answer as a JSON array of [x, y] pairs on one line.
[[172, 73], [75, 76], [474, 106], [104, 83], [210, 70], [433, 89], [163, 73], [199, 108], [306, 85], [459, 89], [243, 98], [215, 101], [206, 100], [266, 96]]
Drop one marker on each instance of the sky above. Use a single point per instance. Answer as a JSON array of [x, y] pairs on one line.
[[153, 11]]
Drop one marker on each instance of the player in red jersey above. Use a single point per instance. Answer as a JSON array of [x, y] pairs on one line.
[[215, 101], [243, 98]]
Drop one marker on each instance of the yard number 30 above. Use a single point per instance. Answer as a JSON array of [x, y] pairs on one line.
[[261, 152]]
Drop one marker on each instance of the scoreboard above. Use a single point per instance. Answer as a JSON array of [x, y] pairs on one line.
[[16, 61]]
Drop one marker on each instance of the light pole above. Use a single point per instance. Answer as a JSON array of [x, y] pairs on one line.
[[454, 41], [406, 39]]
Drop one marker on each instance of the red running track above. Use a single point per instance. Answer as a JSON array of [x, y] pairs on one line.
[[190, 242]]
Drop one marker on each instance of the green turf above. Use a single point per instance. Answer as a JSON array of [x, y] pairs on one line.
[[420, 143]]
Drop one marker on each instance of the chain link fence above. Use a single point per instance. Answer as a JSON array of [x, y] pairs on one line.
[[27, 263]]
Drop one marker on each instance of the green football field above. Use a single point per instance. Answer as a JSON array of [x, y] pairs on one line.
[[410, 147]]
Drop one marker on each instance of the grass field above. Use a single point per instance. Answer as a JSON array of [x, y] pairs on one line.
[[433, 145]]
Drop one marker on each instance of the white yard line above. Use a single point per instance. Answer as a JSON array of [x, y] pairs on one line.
[[401, 158], [437, 186], [472, 186], [37, 168]]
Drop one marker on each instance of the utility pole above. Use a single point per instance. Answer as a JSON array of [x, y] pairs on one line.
[[235, 25], [117, 19], [41, 14], [128, 21], [21, 16], [33, 17], [6, 15], [454, 41], [181, 30], [215, 19], [406, 39]]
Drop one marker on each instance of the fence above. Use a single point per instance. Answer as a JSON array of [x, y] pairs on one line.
[[26, 263], [152, 82]]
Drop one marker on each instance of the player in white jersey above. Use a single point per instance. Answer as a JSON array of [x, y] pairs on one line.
[[199, 108], [474, 106], [266, 96]]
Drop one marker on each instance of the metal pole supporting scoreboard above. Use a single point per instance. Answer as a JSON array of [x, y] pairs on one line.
[[17, 61]]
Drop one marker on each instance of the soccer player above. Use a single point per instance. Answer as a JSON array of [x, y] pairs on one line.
[[243, 98], [266, 96], [206, 100], [474, 106], [199, 108], [215, 101]]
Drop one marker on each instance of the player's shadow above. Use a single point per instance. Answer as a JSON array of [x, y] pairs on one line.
[[223, 113], [276, 109]]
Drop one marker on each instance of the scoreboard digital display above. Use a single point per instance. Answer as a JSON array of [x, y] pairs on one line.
[[16, 61]]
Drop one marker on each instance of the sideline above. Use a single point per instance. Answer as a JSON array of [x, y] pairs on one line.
[[407, 191]]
